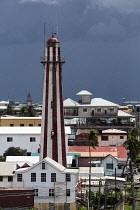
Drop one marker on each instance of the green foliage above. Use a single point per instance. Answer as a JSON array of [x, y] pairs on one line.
[[28, 111], [111, 198], [93, 138], [15, 151], [133, 143], [9, 110], [127, 207], [2, 159]]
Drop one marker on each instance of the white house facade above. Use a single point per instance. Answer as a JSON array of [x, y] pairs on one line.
[[52, 182]]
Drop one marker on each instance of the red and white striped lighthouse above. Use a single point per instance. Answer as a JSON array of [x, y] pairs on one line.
[[52, 130]]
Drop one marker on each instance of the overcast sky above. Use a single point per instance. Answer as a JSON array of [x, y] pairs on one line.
[[99, 38]]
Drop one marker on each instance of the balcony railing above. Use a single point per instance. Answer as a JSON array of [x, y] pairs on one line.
[[44, 59]]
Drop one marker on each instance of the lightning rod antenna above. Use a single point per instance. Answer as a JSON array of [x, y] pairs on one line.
[[44, 38]]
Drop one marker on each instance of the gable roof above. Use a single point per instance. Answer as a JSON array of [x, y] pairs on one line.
[[109, 155], [70, 102], [52, 163]]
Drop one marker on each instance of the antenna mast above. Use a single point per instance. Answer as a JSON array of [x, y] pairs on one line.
[[44, 38]]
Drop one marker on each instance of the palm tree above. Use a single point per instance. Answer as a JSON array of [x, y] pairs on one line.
[[132, 144], [92, 139]]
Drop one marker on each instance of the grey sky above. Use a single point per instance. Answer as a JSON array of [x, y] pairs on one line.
[[99, 38]]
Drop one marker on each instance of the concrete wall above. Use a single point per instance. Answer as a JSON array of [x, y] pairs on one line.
[[58, 206]]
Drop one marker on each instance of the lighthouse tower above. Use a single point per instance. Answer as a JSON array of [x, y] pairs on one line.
[[52, 130]]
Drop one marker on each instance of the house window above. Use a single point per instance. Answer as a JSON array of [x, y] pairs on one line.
[[11, 125], [120, 166], [43, 177], [10, 178], [84, 109], [32, 139], [109, 166], [9, 139], [67, 192], [43, 165], [33, 177], [35, 192], [53, 177], [111, 109], [19, 177], [104, 138], [30, 125], [68, 178], [51, 192], [21, 125], [121, 137], [1, 178], [98, 110]]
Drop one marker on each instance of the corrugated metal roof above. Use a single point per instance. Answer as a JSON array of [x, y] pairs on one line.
[[102, 102], [84, 92], [26, 130], [25, 159], [69, 102], [20, 118], [98, 154], [114, 131], [6, 169], [119, 152], [124, 114], [20, 130]]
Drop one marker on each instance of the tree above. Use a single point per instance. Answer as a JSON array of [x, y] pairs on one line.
[[133, 143], [9, 110], [28, 111], [15, 151], [92, 139]]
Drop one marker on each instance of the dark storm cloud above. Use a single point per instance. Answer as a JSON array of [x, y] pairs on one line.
[[100, 39]]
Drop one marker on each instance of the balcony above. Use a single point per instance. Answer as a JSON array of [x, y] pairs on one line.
[[44, 59]]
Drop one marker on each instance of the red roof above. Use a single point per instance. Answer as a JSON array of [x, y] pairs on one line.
[[53, 39], [121, 151]]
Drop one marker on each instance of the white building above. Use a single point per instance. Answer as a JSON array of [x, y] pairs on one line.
[[23, 137], [52, 182], [112, 164]]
